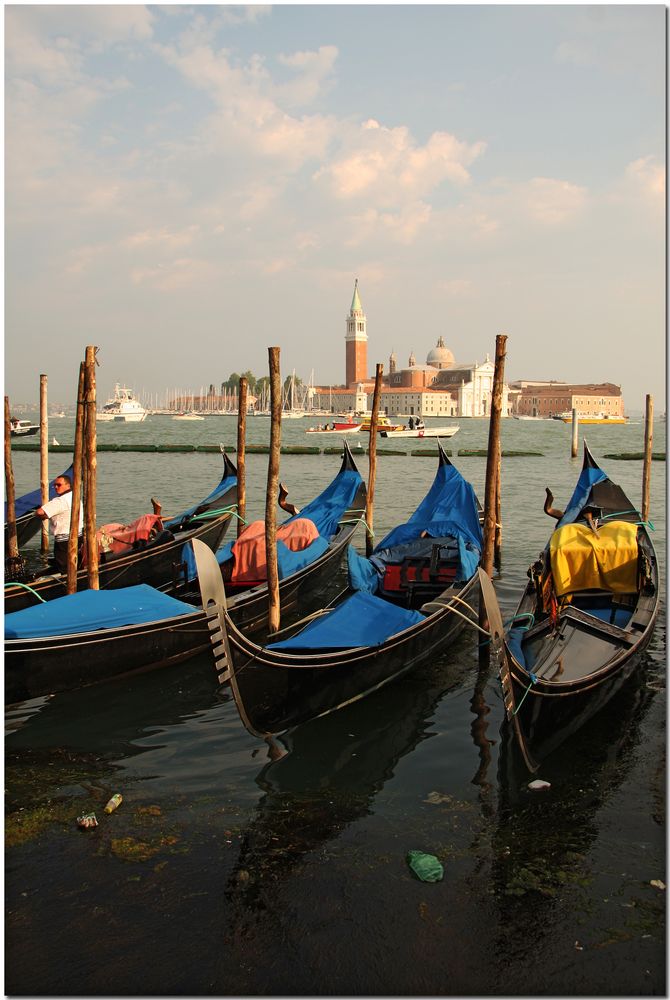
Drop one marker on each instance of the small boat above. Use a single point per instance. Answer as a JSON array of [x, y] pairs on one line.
[[188, 415], [27, 522], [383, 424], [122, 406], [423, 432], [22, 428], [335, 427], [586, 614], [597, 418], [401, 607], [163, 560]]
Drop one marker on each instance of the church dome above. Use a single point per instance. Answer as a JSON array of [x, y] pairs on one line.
[[440, 356]]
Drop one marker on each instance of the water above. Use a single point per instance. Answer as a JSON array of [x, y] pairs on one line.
[[225, 873]]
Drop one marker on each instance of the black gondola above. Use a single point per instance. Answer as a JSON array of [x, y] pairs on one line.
[[164, 563], [27, 522], [91, 636], [402, 606], [586, 614]]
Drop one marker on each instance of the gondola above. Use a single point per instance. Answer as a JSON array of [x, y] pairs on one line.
[[164, 563], [401, 607], [80, 639], [27, 522], [304, 576], [585, 616]]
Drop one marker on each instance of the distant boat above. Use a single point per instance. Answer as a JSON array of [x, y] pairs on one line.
[[594, 418], [334, 428], [122, 407], [423, 432], [189, 415], [19, 428], [383, 424]]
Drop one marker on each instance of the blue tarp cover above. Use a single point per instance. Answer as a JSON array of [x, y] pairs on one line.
[[449, 508], [360, 620], [220, 490], [587, 479], [90, 610], [327, 509], [33, 500]]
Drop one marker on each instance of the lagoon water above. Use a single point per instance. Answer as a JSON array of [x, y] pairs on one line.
[[226, 873]]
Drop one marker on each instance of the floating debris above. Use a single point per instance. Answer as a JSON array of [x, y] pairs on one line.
[[425, 866], [114, 803], [657, 884], [539, 785], [87, 822]]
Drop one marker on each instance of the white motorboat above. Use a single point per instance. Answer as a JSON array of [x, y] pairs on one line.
[[122, 406], [18, 428], [189, 415], [423, 432]]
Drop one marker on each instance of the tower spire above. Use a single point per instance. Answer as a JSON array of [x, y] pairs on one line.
[[356, 339]]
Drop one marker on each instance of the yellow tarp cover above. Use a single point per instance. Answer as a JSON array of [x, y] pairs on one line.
[[582, 561]]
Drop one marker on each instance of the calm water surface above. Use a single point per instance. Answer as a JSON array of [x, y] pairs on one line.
[[226, 873]]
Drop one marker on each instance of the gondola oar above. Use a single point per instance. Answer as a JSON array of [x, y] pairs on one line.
[[498, 656]]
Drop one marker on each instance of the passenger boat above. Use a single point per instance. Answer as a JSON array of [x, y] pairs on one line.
[[401, 607], [92, 636], [122, 406], [586, 614], [593, 418], [163, 561], [22, 428], [27, 522], [423, 432]]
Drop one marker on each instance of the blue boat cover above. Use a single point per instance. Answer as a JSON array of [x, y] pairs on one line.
[[448, 509], [219, 491], [90, 610], [360, 620], [327, 509], [33, 500], [587, 479]]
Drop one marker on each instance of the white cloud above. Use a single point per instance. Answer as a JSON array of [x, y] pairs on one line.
[[313, 73], [554, 202], [648, 175]]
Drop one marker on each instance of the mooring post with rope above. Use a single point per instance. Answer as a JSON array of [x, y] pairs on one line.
[[44, 460], [77, 483], [12, 537], [241, 456], [646, 470]]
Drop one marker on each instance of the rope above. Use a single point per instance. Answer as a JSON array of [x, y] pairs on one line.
[[215, 513], [450, 607], [26, 587], [533, 680], [620, 513]]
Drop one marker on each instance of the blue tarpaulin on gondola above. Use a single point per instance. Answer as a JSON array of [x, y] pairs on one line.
[[588, 477], [33, 500], [361, 620], [327, 509], [448, 509], [89, 610], [220, 491]]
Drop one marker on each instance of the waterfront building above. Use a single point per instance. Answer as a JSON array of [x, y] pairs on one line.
[[550, 399]]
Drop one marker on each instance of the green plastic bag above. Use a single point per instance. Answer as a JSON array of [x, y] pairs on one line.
[[425, 866]]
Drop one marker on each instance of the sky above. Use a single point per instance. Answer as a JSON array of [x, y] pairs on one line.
[[186, 186]]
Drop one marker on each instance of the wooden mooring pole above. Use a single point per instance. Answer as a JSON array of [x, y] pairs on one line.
[[12, 538], [91, 453], [77, 483], [241, 456], [575, 434], [493, 455], [44, 460], [372, 455], [646, 469], [274, 611]]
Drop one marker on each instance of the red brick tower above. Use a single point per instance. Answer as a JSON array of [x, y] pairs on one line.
[[357, 342]]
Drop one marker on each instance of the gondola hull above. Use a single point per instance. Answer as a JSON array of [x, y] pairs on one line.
[[275, 692], [35, 667]]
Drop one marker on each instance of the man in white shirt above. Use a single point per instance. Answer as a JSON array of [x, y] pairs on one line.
[[58, 512]]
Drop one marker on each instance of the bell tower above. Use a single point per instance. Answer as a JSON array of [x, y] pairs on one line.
[[356, 340]]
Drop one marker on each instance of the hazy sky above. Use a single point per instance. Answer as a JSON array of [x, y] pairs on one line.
[[189, 185]]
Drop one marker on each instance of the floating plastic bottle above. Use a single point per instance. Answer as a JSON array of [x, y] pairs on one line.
[[114, 803]]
